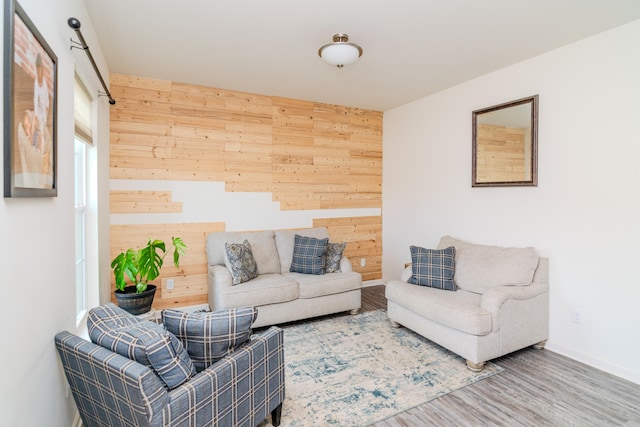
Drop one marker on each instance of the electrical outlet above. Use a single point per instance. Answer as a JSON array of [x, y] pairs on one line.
[[576, 317], [169, 284], [363, 262]]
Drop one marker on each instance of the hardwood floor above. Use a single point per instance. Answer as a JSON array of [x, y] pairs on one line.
[[536, 388]]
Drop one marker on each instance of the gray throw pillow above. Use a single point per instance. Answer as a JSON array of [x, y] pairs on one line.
[[241, 263], [434, 268], [308, 255], [333, 256], [210, 336]]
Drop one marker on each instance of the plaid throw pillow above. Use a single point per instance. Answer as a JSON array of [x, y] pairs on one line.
[[143, 341], [333, 256], [210, 336], [433, 268], [241, 263], [308, 255]]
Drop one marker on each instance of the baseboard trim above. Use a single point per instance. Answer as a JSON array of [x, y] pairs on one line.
[[374, 282], [609, 368]]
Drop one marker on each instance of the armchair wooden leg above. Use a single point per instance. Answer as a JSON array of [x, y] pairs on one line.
[[275, 415], [354, 311], [540, 345], [475, 367]]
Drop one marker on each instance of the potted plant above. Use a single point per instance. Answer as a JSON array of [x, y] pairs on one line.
[[140, 267]]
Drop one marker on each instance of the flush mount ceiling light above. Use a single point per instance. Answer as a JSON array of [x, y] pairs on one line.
[[340, 52]]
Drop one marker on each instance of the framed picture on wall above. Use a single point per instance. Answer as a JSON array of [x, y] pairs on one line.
[[30, 116]]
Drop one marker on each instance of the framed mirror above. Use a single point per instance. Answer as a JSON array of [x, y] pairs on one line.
[[505, 144]]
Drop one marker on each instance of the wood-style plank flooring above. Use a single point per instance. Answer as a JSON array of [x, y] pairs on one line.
[[536, 388]]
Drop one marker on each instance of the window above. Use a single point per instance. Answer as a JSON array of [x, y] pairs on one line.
[[80, 203], [84, 195]]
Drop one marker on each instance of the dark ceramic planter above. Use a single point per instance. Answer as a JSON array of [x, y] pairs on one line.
[[136, 303]]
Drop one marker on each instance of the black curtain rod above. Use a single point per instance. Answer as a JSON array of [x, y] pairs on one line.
[[75, 25]]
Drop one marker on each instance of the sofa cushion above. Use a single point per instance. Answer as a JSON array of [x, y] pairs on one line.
[[333, 256], [210, 336], [146, 342], [308, 255], [240, 262], [434, 268], [264, 289], [459, 310], [311, 286], [285, 240], [262, 245], [481, 267]]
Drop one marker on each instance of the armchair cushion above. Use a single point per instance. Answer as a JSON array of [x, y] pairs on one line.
[[459, 310], [210, 336], [239, 260], [308, 255], [482, 267], [145, 342], [433, 268]]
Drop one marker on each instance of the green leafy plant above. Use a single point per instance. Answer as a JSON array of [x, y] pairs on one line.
[[143, 265]]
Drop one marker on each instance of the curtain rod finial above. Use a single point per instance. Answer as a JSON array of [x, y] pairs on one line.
[[73, 23]]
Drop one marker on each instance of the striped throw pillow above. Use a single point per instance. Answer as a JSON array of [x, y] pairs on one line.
[[308, 255], [434, 268]]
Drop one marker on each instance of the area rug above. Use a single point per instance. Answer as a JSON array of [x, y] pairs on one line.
[[356, 370]]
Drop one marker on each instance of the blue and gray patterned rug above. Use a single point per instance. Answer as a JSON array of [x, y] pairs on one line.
[[356, 370]]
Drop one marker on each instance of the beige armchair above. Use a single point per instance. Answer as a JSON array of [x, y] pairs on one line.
[[501, 303]]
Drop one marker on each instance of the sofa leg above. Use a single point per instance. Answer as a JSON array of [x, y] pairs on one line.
[[540, 345], [394, 324], [475, 367], [354, 311], [275, 415]]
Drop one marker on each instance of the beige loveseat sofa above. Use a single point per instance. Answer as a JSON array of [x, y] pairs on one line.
[[501, 303], [279, 295]]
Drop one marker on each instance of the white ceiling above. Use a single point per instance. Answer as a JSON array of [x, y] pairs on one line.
[[412, 48]]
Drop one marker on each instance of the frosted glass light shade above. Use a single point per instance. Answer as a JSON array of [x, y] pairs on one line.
[[340, 53]]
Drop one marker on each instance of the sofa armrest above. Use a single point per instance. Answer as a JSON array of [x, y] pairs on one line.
[[406, 274], [220, 275], [218, 279], [345, 265], [494, 298], [253, 373]]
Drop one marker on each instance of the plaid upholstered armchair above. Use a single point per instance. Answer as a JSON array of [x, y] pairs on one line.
[[138, 373]]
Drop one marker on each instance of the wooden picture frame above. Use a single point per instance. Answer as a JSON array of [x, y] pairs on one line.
[[30, 108], [505, 144]]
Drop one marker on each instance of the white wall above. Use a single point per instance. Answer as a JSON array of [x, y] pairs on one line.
[[207, 201], [585, 213], [37, 247]]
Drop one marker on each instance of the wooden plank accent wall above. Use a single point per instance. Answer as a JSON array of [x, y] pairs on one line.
[[190, 281], [143, 202], [364, 240], [326, 156], [307, 155]]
